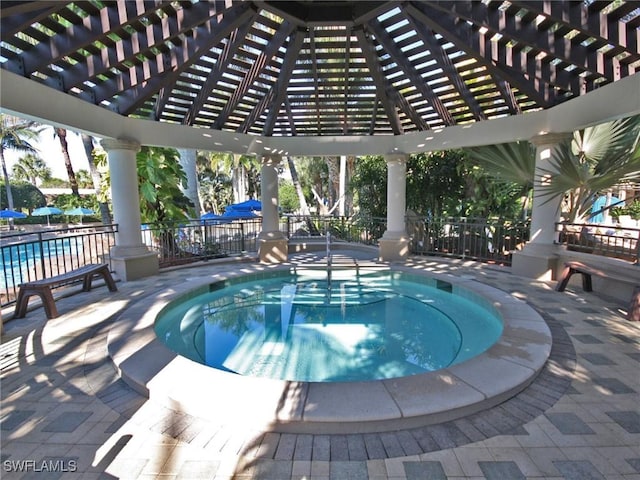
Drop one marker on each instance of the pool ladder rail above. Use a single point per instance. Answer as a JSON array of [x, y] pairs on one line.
[[329, 265]]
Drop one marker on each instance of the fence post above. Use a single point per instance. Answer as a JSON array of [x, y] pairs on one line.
[[41, 246], [242, 249]]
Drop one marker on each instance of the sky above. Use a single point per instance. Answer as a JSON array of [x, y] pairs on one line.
[[50, 151]]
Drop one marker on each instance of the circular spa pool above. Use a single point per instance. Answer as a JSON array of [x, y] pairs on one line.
[[304, 326], [260, 308]]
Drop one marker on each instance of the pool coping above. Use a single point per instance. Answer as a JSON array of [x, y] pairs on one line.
[[505, 369]]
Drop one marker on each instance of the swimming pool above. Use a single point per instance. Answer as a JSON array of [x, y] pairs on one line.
[[363, 325]]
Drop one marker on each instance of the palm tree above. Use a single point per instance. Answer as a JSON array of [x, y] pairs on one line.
[[304, 208], [513, 163], [213, 182], [61, 133], [595, 160], [16, 135], [87, 142], [31, 168]]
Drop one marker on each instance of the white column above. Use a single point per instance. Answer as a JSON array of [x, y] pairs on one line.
[[273, 245], [396, 194], [538, 259], [544, 213], [269, 192], [394, 244], [130, 257]]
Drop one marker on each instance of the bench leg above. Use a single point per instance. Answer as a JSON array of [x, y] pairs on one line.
[[106, 275], [564, 279], [633, 315], [586, 282], [45, 295], [108, 279], [21, 304]]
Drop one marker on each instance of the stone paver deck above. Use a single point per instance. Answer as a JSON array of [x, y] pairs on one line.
[[66, 414]]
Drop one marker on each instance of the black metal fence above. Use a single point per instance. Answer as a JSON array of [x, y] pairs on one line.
[[486, 240], [29, 256], [356, 229], [197, 240], [609, 241]]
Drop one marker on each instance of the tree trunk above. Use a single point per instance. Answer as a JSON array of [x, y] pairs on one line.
[[105, 214], [7, 186], [62, 136], [304, 208], [238, 180], [188, 162], [333, 163]]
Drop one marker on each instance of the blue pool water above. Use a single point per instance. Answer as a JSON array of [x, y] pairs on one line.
[[293, 327], [17, 260]]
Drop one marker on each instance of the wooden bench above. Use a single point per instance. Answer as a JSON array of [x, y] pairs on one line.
[[42, 288], [586, 271]]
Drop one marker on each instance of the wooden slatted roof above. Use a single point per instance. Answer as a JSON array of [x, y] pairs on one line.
[[300, 68]]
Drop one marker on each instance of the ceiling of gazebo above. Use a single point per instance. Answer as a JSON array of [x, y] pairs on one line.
[[316, 68]]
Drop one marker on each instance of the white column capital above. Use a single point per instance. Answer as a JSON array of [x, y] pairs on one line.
[[271, 160], [550, 138], [120, 144], [398, 158]]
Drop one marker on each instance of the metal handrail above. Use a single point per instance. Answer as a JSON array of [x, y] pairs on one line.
[[615, 241]]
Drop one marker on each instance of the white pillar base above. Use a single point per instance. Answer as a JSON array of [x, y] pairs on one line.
[[273, 247], [393, 246], [131, 263], [537, 261]]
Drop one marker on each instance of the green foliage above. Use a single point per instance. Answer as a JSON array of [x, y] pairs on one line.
[[596, 159], [633, 210], [439, 184], [369, 186], [68, 201], [436, 183], [25, 196], [215, 186], [287, 197], [159, 178], [55, 182], [31, 168], [513, 162]]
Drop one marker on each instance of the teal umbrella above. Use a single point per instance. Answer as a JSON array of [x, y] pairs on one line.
[[46, 211], [79, 212]]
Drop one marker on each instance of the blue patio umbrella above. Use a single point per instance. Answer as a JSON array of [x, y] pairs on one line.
[[46, 211], [6, 213], [213, 218], [238, 214], [79, 212], [247, 205]]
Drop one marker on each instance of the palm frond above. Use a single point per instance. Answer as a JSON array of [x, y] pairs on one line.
[[510, 162]]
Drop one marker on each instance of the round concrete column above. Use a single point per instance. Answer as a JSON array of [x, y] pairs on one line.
[[272, 244], [130, 257], [394, 244], [538, 259], [544, 213]]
